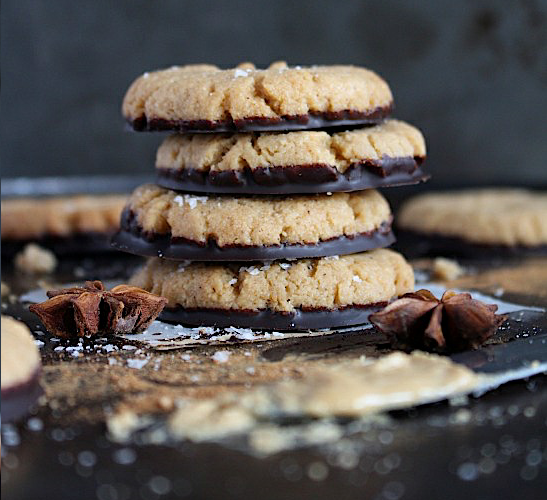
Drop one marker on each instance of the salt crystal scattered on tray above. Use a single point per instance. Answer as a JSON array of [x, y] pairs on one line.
[[137, 363], [221, 356]]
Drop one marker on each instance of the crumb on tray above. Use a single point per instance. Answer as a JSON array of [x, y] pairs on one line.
[[446, 269], [34, 259]]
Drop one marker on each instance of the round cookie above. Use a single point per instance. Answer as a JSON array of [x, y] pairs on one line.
[[20, 369], [164, 223], [475, 222], [203, 98], [307, 293], [66, 224], [294, 162]]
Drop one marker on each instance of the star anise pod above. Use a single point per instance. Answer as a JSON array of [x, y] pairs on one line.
[[455, 323], [89, 310]]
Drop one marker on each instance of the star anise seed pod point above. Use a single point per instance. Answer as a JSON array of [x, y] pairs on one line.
[[456, 322], [90, 310]]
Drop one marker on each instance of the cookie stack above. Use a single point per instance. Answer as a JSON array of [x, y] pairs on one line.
[[264, 213]]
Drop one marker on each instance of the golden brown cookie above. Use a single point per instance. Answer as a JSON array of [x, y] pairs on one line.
[[160, 222], [64, 223], [205, 98], [293, 162], [307, 293], [20, 368], [477, 220]]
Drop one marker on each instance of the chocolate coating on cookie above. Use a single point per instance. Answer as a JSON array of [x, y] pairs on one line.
[[315, 121], [299, 179], [18, 400], [132, 239], [271, 320]]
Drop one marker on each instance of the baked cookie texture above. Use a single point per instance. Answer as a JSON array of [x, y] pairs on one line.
[[497, 216], [62, 216], [20, 356], [338, 150], [309, 284], [256, 221], [293, 162], [203, 97]]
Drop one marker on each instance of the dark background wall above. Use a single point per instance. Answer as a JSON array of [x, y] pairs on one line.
[[472, 74]]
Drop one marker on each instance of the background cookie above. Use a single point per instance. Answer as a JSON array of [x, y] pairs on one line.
[[20, 369], [475, 222], [294, 162], [205, 98], [159, 222], [308, 293], [66, 224]]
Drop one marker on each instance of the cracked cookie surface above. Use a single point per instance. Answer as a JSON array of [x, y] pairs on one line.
[[206, 98], [292, 162], [326, 283], [243, 227], [497, 216]]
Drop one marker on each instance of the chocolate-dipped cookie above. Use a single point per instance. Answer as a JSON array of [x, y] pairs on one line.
[[307, 293], [20, 369], [164, 223], [475, 223], [66, 224], [204, 98], [294, 162]]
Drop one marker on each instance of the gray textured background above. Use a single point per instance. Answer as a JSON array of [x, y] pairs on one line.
[[471, 74]]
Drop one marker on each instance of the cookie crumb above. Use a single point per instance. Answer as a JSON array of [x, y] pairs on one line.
[[122, 424], [34, 259], [446, 269]]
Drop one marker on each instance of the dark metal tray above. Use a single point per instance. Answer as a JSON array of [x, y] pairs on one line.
[[491, 447]]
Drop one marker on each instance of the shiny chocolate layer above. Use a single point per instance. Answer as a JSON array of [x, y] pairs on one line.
[[266, 124], [17, 400], [131, 238], [299, 319], [295, 179]]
